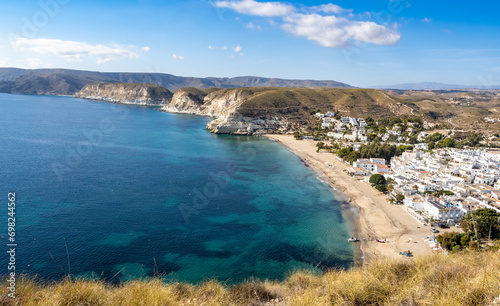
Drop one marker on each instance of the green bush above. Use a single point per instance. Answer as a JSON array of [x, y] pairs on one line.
[[377, 179]]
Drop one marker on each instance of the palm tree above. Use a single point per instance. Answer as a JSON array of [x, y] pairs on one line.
[[320, 145]]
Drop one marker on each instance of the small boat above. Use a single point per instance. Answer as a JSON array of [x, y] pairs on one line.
[[352, 239], [380, 240], [407, 254]]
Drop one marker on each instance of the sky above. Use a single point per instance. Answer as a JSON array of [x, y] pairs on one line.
[[361, 43]]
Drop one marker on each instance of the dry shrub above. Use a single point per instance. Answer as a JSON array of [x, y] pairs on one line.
[[252, 292]]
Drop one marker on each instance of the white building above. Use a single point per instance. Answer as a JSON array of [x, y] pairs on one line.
[[326, 125]]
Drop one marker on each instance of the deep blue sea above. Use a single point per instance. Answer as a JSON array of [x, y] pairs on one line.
[[121, 192]]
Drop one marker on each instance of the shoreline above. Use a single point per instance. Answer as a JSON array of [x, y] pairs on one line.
[[350, 212], [376, 218]]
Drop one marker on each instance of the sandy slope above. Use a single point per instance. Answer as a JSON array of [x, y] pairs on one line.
[[378, 218]]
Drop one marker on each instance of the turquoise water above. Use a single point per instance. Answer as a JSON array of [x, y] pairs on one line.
[[131, 191]]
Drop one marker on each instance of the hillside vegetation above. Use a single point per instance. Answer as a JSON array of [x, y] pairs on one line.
[[298, 105], [458, 109], [470, 278]]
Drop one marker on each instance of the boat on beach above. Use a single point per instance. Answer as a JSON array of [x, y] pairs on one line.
[[352, 239]]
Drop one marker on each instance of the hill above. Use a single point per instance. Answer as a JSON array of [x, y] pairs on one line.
[[250, 110], [69, 82], [469, 278], [434, 86]]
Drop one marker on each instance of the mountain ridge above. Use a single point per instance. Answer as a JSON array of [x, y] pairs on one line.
[[60, 81], [433, 86]]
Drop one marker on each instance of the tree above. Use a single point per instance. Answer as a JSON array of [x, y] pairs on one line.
[[413, 140], [464, 240], [377, 179], [394, 120], [445, 192], [434, 137], [381, 188], [400, 198], [450, 241], [445, 143], [320, 145], [488, 220], [484, 222], [383, 122]]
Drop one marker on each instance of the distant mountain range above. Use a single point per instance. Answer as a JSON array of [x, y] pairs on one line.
[[433, 86], [69, 82]]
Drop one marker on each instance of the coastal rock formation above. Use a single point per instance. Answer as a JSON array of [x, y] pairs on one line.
[[254, 110], [126, 93], [258, 110], [225, 106], [186, 100]]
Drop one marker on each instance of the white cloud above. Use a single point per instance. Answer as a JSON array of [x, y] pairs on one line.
[[35, 63], [74, 50], [427, 19], [337, 32], [323, 24], [329, 8], [224, 48], [251, 7], [237, 49], [178, 57], [252, 26], [146, 49], [212, 47]]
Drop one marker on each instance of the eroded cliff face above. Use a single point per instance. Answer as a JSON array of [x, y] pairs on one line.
[[126, 93], [186, 101], [223, 104]]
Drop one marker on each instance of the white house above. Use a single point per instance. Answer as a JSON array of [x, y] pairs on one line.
[[380, 161], [326, 125], [354, 171], [443, 212], [382, 168]]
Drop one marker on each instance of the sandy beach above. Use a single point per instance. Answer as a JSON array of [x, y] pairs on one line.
[[378, 219]]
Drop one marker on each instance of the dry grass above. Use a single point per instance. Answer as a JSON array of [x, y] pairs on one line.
[[461, 279]]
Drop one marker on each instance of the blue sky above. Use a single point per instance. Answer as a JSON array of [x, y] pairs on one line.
[[362, 43]]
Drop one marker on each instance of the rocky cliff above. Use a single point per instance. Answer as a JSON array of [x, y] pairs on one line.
[[223, 104], [254, 110], [186, 100], [126, 93]]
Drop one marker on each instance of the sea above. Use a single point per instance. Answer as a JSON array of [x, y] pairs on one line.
[[122, 192]]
